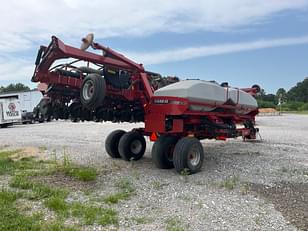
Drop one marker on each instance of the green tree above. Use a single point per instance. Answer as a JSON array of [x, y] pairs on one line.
[[270, 98], [281, 95], [14, 88], [261, 94], [266, 104], [299, 92]]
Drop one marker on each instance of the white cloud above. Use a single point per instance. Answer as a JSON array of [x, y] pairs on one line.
[[12, 70], [203, 51], [24, 24], [20, 70]]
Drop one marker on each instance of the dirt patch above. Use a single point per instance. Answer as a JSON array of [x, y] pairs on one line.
[[29, 152], [291, 199], [62, 181]]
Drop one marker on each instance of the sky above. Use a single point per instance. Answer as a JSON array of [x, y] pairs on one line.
[[243, 42]]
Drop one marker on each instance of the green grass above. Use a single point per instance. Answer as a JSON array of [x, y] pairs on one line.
[[245, 188], [91, 214], [157, 184], [185, 175], [12, 220], [88, 214], [43, 148], [115, 198], [8, 166], [174, 224], [142, 220], [39, 190], [126, 190], [8, 197], [21, 182], [6, 153], [81, 173], [229, 183], [78, 172], [24, 171], [125, 185], [57, 226], [57, 204]]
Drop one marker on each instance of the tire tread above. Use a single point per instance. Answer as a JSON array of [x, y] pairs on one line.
[[158, 155], [124, 142], [181, 149], [112, 143]]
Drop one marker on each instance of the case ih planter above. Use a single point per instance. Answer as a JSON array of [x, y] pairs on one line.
[[111, 87]]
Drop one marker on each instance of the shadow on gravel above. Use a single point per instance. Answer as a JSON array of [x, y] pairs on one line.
[[291, 199]]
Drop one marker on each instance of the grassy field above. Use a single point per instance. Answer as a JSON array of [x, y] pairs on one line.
[[26, 185], [40, 195]]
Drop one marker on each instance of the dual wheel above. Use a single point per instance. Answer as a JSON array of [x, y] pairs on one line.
[[185, 155], [125, 145]]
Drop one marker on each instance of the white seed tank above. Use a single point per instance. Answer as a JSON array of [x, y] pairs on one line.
[[209, 93]]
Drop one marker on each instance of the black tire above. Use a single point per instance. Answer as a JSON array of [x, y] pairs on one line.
[[162, 152], [44, 107], [112, 143], [75, 112], [43, 110], [92, 91], [41, 118], [188, 155], [132, 146], [5, 125]]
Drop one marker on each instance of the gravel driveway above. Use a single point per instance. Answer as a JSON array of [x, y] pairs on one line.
[[242, 185]]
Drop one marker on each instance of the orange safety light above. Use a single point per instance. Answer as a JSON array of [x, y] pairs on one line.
[[153, 137]]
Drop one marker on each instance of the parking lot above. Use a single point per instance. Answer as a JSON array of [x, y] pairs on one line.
[[256, 185]]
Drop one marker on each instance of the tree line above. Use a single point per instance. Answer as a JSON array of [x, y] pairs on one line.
[[14, 88], [296, 99]]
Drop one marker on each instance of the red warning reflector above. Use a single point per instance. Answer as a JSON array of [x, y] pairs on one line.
[[153, 136], [221, 138]]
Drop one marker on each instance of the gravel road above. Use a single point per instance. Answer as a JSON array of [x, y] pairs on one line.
[[261, 185]]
